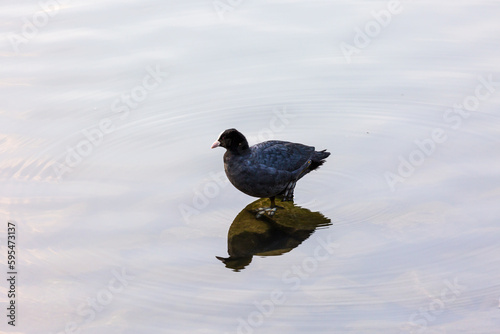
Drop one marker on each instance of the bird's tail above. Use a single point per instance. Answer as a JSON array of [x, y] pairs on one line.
[[318, 159]]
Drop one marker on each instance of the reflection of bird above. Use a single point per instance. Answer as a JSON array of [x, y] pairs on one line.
[[268, 169], [249, 236]]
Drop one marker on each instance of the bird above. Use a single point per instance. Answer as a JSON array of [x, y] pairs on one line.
[[269, 169]]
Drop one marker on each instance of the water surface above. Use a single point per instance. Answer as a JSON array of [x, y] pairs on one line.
[[109, 110]]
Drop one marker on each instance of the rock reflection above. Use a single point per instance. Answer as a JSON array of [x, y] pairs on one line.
[[268, 235]]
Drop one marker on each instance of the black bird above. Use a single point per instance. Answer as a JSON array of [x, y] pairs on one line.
[[267, 169]]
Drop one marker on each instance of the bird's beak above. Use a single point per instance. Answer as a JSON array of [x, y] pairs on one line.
[[216, 144]]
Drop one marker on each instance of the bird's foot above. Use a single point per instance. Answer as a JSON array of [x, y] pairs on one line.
[[266, 211]]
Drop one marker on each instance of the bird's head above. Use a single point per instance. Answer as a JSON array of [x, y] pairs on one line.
[[231, 140]]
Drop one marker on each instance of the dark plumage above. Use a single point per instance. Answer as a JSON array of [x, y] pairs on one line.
[[267, 169]]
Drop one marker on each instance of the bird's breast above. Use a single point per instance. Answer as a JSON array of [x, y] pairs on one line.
[[253, 179]]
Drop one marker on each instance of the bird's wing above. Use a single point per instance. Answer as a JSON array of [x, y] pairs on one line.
[[281, 155]]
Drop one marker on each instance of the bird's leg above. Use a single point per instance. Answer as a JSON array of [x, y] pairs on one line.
[[268, 211], [288, 193]]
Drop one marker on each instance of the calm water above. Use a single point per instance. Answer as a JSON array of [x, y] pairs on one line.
[[109, 110]]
